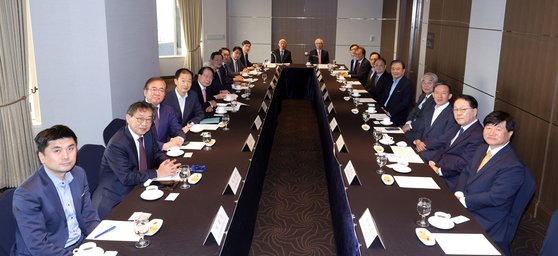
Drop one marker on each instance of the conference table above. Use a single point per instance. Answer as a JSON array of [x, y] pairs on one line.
[[189, 218]]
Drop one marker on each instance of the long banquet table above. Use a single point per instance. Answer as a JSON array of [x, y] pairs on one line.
[[187, 220]]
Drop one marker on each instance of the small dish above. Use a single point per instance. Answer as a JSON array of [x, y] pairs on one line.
[[441, 223], [194, 178], [154, 226], [384, 123], [365, 127], [196, 128], [354, 110], [401, 144], [371, 111], [401, 168], [175, 153], [346, 98], [387, 179], [386, 142], [425, 236], [151, 195], [378, 148], [212, 142]]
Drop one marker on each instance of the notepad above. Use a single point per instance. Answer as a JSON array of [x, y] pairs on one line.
[[211, 120]]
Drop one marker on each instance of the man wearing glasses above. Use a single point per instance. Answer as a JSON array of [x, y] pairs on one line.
[[132, 156]]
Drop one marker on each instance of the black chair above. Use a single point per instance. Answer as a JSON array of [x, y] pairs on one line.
[[7, 222], [112, 128], [550, 246], [89, 158]]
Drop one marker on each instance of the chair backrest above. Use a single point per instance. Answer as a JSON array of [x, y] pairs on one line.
[[112, 128], [522, 198], [550, 246], [89, 158], [7, 222]]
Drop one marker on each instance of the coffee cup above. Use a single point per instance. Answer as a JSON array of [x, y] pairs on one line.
[[228, 97], [88, 249], [386, 120], [152, 187], [173, 149]]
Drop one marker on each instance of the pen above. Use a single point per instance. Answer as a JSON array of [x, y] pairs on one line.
[[104, 232]]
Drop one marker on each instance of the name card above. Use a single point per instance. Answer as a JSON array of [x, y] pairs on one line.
[[330, 108], [233, 184], [341, 147], [326, 96], [368, 228], [249, 143], [350, 174], [323, 88], [333, 125], [217, 230], [267, 95], [320, 78], [257, 123], [263, 107]]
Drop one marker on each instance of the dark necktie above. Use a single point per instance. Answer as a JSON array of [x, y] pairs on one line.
[[219, 75], [357, 66], [246, 60], [461, 130], [281, 55], [142, 155], [156, 118]]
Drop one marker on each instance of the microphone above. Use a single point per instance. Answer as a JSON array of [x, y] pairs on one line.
[[274, 57]]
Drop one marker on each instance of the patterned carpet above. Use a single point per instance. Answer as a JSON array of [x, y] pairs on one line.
[[294, 216], [529, 237]]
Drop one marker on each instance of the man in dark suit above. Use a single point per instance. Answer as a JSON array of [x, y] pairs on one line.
[[132, 156], [456, 154], [281, 54], [424, 101], [219, 82], [378, 80], [234, 67], [52, 208], [318, 55], [360, 67], [165, 124], [495, 181], [206, 94], [438, 125], [246, 45], [398, 96], [183, 101]]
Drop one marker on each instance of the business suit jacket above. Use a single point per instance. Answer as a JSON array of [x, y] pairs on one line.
[[453, 159], [245, 61], [416, 111], [220, 81], [313, 57], [168, 125], [209, 93], [120, 171], [490, 193], [229, 66], [286, 56], [363, 71], [192, 108], [434, 135], [376, 89], [41, 223], [398, 105]]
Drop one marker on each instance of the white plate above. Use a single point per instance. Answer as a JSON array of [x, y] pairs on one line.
[[441, 223], [378, 148], [356, 94], [175, 153], [346, 98], [354, 110], [196, 128], [365, 127], [383, 123], [401, 168], [401, 144], [387, 179], [232, 97], [154, 226], [152, 194], [425, 236], [194, 178], [371, 112], [385, 142]]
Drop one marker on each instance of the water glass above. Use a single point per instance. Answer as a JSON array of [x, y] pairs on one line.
[[381, 159], [206, 136], [140, 228], [424, 206], [264, 77], [225, 119], [184, 173]]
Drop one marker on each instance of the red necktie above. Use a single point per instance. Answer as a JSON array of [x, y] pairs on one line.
[[142, 156], [204, 95]]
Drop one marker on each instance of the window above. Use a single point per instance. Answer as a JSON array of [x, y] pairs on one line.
[[169, 29], [32, 77]]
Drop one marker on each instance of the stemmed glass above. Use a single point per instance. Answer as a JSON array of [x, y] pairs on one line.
[[381, 159], [365, 117], [264, 77], [378, 135], [247, 92], [141, 228], [356, 101], [234, 105], [206, 140], [184, 173], [225, 119], [424, 206]]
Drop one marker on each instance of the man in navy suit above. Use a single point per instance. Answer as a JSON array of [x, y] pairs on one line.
[[494, 180], [234, 66], [52, 208], [206, 94], [169, 131], [360, 67], [220, 82], [183, 101], [281, 54], [318, 55], [456, 154], [438, 125], [378, 79], [132, 156], [246, 45], [424, 101], [398, 96]]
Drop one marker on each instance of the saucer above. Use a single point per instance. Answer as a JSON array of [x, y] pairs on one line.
[[401, 144], [194, 178], [386, 142], [231, 97], [441, 223], [401, 168], [354, 110], [371, 112], [196, 128], [387, 179], [356, 94], [151, 195], [365, 127], [425, 236], [346, 98], [175, 153], [384, 123]]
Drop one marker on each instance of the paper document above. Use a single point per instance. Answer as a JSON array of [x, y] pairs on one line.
[[193, 145], [379, 117], [416, 182], [124, 231], [211, 120], [367, 100], [407, 154], [389, 129], [469, 244], [360, 91], [209, 127]]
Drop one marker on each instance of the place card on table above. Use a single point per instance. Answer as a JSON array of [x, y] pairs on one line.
[[416, 182], [249, 143], [172, 196], [333, 125], [267, 95], [330, 108], [323, 66], [257, 123], [356, 83], [341, 147], [320, 78], [233, 184], [350, 174], [218, 226], [368, 228], [367, 100], [263, 107], [326, 96], [379, 117], [465, 244], [323, 88]]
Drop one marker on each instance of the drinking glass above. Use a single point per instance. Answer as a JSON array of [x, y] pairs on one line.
[[356, 101], [378, 135], [225, 119], [207, 140], [381, 159], [424, 206], [365, 117], [247, 92], [184, 173], [264, 77], [234, 105], [141, 228]]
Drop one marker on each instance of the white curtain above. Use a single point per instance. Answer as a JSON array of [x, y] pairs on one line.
[[17, 156], [191, 19]]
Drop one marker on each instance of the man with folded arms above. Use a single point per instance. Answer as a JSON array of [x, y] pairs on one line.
[[183, 101], [494, 180], [168, 130], [318, 55], [281, 54], [132, 156], [424, 101], [52, 208], [398, 95], [456, 154], [438, 125]]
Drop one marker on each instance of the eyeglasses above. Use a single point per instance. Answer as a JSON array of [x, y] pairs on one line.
[[160, 90], [143, 120], [457, 110]]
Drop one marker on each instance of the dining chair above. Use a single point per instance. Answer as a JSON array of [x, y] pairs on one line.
[[112, 128], [550, 246], [89, 158], [7, 222]]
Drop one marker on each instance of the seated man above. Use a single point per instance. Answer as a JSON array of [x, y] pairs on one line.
[[234, 67], [246, 46], [52, 208], [373, 57], [132, 156], [424, 101], [183, 101], [378, 80], [318, 55], [456, 154], [438, 125], [360, 67], [398, 96], [489, 187], [169, 131], [220, 82], [281, 54], [206, 94]]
